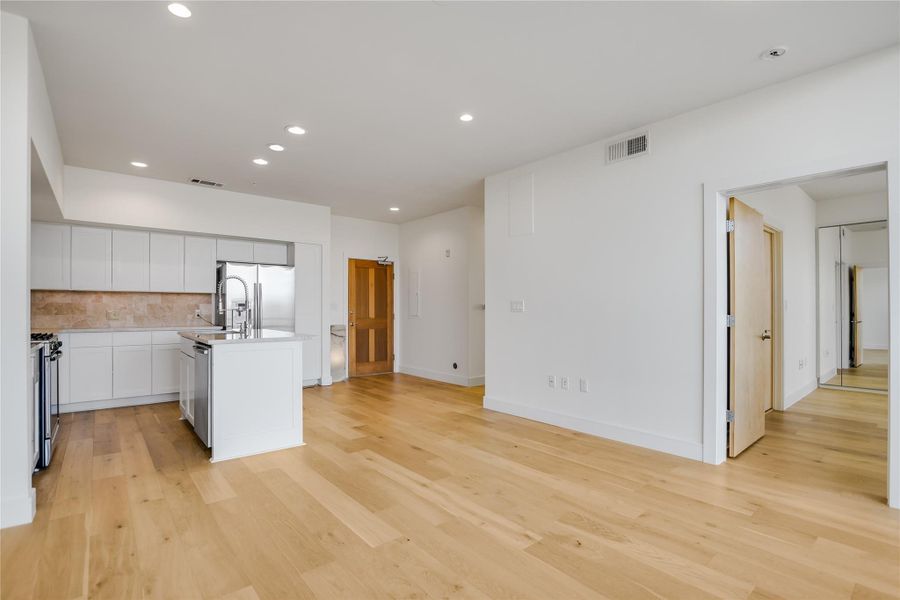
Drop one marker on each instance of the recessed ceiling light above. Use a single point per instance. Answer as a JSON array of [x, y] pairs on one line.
[[179, 10], [137, 163], [260, 161], [276, 147], [465, 117], [773, 53], [295, 129], [394, 209]]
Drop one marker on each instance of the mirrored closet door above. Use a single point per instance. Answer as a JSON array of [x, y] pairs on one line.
[[853, 305]]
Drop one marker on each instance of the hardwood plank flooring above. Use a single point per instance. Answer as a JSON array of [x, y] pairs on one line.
[[409, 489]]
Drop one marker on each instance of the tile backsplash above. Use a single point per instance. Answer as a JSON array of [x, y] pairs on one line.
[[54, 310]]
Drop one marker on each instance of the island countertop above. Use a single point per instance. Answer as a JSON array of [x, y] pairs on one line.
[[230, 337]]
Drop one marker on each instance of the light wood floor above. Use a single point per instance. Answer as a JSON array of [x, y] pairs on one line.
[[409, 489], [872, 374]]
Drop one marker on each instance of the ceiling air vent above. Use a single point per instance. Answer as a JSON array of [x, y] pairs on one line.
[[627, 148], [206, 182]]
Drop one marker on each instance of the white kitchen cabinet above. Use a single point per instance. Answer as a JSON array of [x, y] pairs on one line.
[[131, 371], [165, 369], [64, 371], [199, 264], [166, 262], [270, 253], [90, 374], [91, 258], [51, 256], [130, 260], [186, 386], [234, 250]]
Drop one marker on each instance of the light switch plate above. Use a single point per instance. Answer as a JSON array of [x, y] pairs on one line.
[[564, 383], [517, 306]]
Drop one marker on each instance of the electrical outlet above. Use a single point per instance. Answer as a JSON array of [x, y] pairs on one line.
[[551, 381], [112, 315], [802, 363], [564, 383], [583, 385]]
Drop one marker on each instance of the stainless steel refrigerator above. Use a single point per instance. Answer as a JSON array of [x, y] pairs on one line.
[[271, 295]]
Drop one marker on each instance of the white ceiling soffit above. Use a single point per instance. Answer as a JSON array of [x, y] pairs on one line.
[[827, 188], [380, 86]]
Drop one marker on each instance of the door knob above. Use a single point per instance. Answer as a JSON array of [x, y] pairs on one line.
[[766, 335]]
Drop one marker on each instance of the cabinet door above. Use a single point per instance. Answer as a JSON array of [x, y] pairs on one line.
[[234, 250], [165, 375], [166, 262], [130, 260], [91, 258], [182, 383], [199, 264], [90, 374], [186, 386], [51, 258], [131, 371], [64, 370], [270, 253]]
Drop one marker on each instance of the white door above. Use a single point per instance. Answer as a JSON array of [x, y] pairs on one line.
[[131, 371], [199, 264], [90, 374], [91, 258], [270, 253], [130, 260], [51, 258], [234, 250], [165, 369], [166, 262]]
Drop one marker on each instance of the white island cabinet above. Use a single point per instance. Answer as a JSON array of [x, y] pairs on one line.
[[247, 391]]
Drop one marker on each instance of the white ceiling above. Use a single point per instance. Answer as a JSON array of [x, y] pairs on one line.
[[842, 186], [380, 86]]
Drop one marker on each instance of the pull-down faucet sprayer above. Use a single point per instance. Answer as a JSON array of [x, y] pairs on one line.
[[245, 324]]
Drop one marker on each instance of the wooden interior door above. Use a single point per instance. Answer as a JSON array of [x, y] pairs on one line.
[[748, 341], [370, 317], [768, 307], [856, 323]]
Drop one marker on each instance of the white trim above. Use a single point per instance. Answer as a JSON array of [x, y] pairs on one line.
[[715, 192], [800, 393], [443, 377], [18, 510], [634, 437], [72, 407]]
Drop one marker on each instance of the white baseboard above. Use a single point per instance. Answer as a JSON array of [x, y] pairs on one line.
[[800, 393], [116, 403], [18, 510], [635, 437], [443, 377]]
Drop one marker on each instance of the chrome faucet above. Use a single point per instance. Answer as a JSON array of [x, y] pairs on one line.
[[245, 324]]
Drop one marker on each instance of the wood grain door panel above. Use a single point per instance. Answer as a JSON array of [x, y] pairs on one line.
[[370, 317]]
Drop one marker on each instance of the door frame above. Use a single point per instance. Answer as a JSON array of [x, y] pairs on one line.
[[392, 284], [716, 190], [777, 316]]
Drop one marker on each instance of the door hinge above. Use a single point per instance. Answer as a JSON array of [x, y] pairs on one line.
[[729, 225], [729, 416], [729, 320]]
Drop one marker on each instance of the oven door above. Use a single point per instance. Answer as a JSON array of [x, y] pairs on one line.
[[49, 406]]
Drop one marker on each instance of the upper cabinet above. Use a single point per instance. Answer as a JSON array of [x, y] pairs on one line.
[[234, 250], [166, 262], [51, 258], [91, 258], [130, 260], [270, 253], [199, 264]]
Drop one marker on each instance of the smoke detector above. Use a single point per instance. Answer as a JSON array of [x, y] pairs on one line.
[[773, 53]]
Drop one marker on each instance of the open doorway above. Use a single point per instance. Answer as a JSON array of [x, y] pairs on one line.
[[800, 210], [370, 317]]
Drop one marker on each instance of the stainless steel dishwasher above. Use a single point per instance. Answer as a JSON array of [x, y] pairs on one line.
[[202, 389]]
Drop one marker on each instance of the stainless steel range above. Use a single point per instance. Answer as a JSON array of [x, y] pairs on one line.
[[47, 394]]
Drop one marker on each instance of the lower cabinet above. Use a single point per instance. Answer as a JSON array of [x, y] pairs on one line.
[[90, 374], [186, 388], [165, 369], [132, 371]]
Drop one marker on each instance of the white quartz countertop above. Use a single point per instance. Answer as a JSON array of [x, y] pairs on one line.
[[229, 337], [127, 329]]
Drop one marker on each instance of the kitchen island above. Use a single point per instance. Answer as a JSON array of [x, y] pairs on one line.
[[243, 394]]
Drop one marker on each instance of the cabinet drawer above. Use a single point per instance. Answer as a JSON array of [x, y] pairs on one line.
[[131, 338], [166, 337], [90, 340]]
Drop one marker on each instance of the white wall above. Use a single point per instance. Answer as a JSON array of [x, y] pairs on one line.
[[874, 304], [792, 211], [631, 323], [852, 209], [442, 334], [116, 199], [364, 239]]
